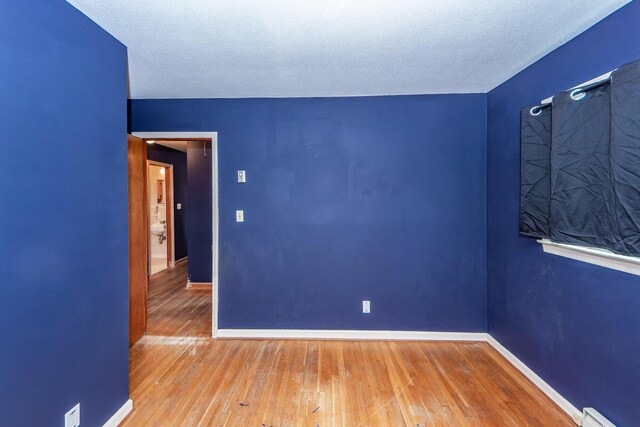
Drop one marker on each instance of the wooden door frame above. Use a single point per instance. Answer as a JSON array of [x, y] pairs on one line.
[[169, 185], [138, 212], [203, 136]]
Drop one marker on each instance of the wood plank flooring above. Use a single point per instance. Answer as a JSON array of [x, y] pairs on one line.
[[185, 378], [174, 310], [256, 383]]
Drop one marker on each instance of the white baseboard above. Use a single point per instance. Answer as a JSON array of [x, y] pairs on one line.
[[318, 334], [120, 414], [198, 285], [563, 403]]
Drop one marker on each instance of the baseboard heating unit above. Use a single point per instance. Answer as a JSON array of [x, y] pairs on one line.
[[593, 418]]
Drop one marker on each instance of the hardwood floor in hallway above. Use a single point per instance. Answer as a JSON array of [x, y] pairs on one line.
[[174, 310], [267, 383]]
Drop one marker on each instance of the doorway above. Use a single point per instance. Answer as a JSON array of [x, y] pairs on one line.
[[161, 230], [168, 300]]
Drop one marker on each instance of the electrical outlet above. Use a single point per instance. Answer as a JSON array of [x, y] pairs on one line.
[[72, 418], [242, 176], [366, 307], [239, 216]]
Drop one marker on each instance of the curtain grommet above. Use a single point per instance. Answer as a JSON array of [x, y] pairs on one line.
[[536, 111], [577, 94]]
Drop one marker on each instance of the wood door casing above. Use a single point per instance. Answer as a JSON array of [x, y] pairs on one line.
[[138, 237]]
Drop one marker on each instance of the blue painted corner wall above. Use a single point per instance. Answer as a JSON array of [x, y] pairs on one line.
[[180, 192], [200, 221], [347, 199], [574, 324], [63, 216]]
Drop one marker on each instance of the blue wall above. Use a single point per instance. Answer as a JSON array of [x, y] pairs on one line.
[[200, 220], [179, 161], [63, 216], [347, 199], [574, 324], [379, 198]]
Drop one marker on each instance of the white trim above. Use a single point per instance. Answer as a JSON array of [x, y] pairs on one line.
[[593, 418], [557, 398], [594, 256], [214, 202], [177, 135], [120, 414], [173, 217], [350, 335], [197, 285], [216, 236]]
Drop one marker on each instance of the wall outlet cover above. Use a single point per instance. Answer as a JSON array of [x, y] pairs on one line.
[[72, 418], [366, 307]]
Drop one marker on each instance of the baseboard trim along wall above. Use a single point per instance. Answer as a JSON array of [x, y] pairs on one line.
[[556, 397], [120, 415], [198, 285], [317, 334]]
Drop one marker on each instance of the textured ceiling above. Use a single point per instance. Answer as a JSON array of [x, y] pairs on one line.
[[301, 48]]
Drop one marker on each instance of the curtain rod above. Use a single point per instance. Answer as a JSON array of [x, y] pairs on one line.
[[577, 93]]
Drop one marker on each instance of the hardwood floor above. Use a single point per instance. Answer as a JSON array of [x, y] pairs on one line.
[[174, 310], [181, 377], [264, 383]]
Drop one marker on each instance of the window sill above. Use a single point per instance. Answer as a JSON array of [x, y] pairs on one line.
[[600, 257]]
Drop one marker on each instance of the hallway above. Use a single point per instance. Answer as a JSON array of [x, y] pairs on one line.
[[174, 310]]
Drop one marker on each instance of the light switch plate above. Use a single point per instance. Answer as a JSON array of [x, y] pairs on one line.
[[366, 307], [239, 216], [72, 418], [242, 176], [179, 206]]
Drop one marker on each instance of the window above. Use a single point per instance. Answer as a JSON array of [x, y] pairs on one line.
[[580, 171]]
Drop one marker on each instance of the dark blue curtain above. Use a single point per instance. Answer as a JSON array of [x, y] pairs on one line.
[[580, 166], [535, 165]]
